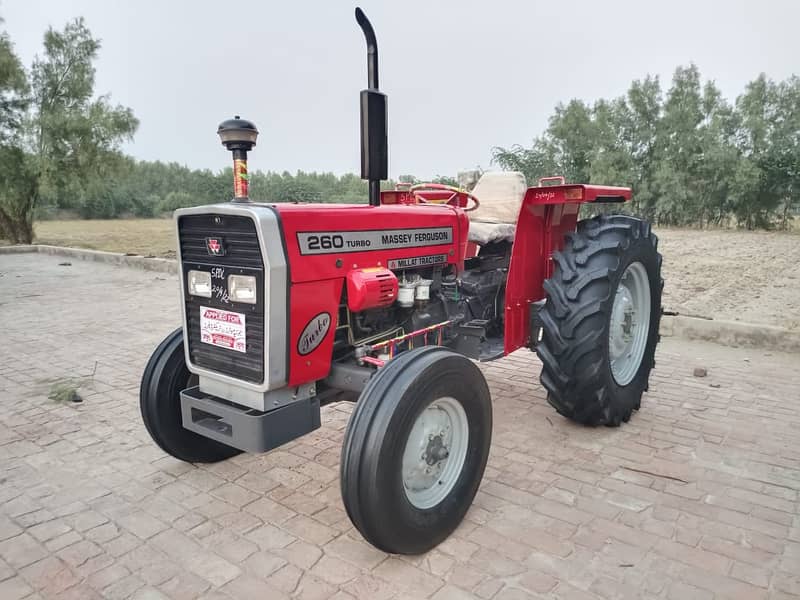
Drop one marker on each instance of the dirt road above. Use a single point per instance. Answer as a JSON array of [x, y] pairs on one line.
[[746, 276]]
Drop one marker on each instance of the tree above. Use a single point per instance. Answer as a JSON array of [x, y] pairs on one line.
[[534, 162], [13, 103], [719, 158], [564, 149], [679, 149], [643, 104], [572, 139], [770, 140], [611, 158], [69, 142], [13, 89], [690, 156], [785, 159]]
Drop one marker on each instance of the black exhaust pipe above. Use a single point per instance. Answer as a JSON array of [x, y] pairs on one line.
[[374, 137]]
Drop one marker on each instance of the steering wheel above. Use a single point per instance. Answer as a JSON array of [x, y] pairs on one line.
[[415, 189]]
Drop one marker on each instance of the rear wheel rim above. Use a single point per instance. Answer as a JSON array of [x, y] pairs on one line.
[[630, 324], [435, 452]]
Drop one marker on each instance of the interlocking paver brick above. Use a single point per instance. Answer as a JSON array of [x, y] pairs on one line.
[[48, 530], [8, 528], [269, 537], [355, 551], [696, 497], [80, 552], [148, 593], [50, 576], [141, 524], [14, 589], [22, 550], [335, 571], [124, 588], [201, 562], [286, 578], [310, 530], [450, 592], [247, 587], [408, 578], [234, 494], [311, 587], [184, 586], [515, 593], [108, 576]]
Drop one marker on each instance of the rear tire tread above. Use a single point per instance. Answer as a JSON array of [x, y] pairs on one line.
[[574, 320]]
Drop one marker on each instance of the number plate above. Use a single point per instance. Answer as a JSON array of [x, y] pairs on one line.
[[222, 328]]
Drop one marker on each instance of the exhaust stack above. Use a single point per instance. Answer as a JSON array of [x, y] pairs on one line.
[[239, 136], [374, 137]]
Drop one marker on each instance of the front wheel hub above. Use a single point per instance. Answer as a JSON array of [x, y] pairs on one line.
[[435, 452]]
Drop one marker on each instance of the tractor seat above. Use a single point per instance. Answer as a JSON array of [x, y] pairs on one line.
[[500, 194]]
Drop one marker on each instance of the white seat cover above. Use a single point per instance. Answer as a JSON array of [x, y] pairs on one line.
[[484, 233], [500, 194]]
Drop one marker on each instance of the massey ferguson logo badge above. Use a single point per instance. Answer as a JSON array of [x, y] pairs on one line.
[[215, 247]]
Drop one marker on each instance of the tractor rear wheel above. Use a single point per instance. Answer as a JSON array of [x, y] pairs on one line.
[[415, 449], [600, 321], [165, 376]]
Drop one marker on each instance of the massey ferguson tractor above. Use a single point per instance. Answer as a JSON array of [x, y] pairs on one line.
[[291, 306]]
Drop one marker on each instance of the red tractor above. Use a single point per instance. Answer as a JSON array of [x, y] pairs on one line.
[[290, 306]]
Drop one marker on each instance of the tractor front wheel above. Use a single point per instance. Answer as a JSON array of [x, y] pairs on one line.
[[165, 376], [415, 449], [600, 321]]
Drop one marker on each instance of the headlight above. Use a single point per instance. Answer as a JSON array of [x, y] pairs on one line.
[[242, 288], [199, 283]]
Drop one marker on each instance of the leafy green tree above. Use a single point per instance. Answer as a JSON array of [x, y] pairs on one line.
[[690, 156], [716, 167], [679, 149], [770, 141], [572, 139], [534, 162], [445, 180], [611, 158], [784, 163], [176, 200], [70, 140], [13, 104], [643, 107], [13, 89]]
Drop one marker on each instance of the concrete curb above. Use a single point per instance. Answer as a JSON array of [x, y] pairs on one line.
[[161, 265], [20, 249], [725, 333], [731, 333]]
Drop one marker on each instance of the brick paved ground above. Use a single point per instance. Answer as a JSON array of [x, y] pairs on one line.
[[697, 497]]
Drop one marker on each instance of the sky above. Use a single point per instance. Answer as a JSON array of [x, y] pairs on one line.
[[462, 77]]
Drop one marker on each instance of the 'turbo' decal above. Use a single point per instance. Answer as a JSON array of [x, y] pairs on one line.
[[313, 333]]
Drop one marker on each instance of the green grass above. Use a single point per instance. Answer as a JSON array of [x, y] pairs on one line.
[[146, 237], [65, 391]]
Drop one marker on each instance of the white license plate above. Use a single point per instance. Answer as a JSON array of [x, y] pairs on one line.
[[222, 328]]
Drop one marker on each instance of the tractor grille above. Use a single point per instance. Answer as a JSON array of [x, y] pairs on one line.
[[238, 233], [242, 256]]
